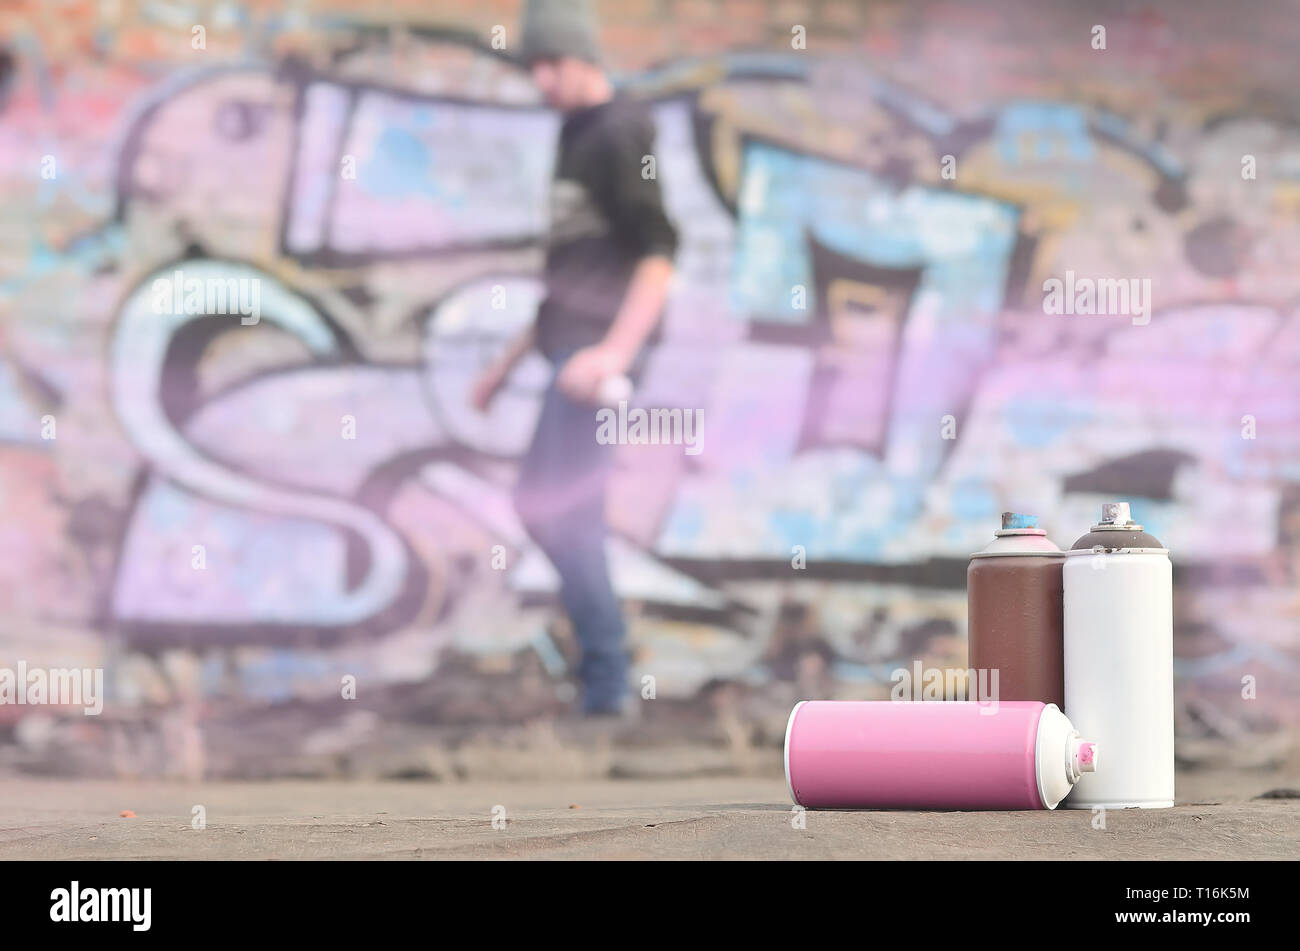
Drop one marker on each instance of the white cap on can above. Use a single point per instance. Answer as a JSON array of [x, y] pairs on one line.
[[1061, 757]]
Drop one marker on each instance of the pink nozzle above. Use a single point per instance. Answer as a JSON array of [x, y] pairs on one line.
[[1087, 756]]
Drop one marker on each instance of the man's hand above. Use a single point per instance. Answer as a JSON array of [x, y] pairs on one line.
[[581, 376]]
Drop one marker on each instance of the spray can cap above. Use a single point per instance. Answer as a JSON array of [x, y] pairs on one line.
[[1014, 523], [1116, 515], [1019, 535]]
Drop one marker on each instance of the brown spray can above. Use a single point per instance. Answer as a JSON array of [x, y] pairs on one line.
[[1015, 613]]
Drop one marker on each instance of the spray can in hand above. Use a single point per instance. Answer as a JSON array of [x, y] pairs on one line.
[[614, 390]]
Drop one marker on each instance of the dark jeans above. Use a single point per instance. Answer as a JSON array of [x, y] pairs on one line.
[[561, 500]]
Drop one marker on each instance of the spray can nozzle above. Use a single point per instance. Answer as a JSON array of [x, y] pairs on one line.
[[1081, 757], [1014, 523], [1116, 515]]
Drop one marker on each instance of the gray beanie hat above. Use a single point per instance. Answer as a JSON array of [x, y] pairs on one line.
[[554, 28]]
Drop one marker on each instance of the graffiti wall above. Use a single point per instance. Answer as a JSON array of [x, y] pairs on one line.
[[235, 509]]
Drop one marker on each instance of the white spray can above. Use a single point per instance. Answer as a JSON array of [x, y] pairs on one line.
[[1119, 661], [613, 390]]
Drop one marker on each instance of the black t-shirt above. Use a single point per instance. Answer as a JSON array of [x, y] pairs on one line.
[[606, 214]]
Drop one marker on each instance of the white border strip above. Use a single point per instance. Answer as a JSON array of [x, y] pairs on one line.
[[789, 725]]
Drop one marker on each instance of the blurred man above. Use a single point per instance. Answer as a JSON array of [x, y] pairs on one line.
[[609, 254]]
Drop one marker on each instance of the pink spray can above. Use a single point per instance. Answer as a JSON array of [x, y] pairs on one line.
[[882, 754]]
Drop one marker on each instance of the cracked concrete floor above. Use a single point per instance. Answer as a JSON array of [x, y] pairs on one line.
[[1217, 817]]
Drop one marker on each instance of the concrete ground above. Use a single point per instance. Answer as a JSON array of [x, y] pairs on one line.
[[1217, 816]]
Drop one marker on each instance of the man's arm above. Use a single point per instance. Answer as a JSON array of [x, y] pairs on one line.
[[634, 203], [582, 375], [490, 381], [641, 308], [518, 347]]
